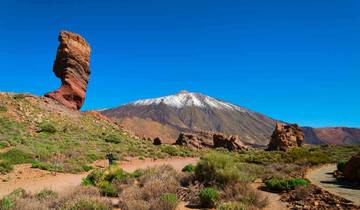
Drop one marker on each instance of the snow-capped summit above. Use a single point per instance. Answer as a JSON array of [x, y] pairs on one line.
[[166, 116], [185, 98]]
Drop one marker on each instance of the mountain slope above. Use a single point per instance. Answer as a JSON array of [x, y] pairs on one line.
[[40, 129], [165, 117], [332, 135], [196, 112]]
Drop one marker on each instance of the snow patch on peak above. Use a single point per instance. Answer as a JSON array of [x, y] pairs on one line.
[[185, 98]]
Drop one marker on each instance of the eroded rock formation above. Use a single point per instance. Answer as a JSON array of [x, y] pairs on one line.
[[285, 137], [232, 143], [202, 140], [72, 66], [352, 169], [195, 141]]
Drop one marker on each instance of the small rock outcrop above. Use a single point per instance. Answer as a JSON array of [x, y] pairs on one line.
[[195, 140], [157, 141], [285, 137], [352, 169], [201, 140], [72, 66], [231, 143]]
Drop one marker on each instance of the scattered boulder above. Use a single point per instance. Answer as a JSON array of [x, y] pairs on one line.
[[202, 140], [352, 169], [157, 141], [286, 136], [198, 140], [72, 66], [232, 143]]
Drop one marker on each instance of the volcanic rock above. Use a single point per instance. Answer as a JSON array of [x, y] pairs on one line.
[[232, 143], [352, 169], [72, 66], [285, 137], [157, 141], [203, 139], [195, 140]]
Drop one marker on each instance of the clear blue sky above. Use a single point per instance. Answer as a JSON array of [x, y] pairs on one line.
[[297, 61]]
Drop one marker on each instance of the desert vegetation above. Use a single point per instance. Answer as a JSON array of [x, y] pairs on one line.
[[58, 139], [81, 198]]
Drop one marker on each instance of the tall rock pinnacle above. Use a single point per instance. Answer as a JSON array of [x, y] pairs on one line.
[[72, 66]]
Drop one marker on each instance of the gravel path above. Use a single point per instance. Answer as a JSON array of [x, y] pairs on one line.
[[323, 178]]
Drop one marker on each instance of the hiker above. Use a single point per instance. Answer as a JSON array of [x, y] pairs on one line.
[[110, 157]]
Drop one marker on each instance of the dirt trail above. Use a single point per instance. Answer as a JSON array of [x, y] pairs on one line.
[[322, 177], [273, 198], [34, 180]]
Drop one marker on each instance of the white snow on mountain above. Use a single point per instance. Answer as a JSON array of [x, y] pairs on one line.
[[185, 98]]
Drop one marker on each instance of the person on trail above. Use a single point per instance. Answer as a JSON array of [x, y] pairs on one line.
[[110, 157]]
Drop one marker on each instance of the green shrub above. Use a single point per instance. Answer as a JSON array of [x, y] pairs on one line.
[[208, 197], [113, 138], [232, 206], [220, 168], [46, 194], [137, 173], [341, 165], [6, 203], [3, 108], [166, 201], [188, 168], [45, 166], [5, 167], [19, 96], [108, 189], [87, 204], [87, 167], [4, 144], [280, 185], [16, 156], [169, 197], [47, 127], [170, 149]]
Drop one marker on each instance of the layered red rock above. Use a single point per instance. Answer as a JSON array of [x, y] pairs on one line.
[[286, 136], [72, 66], [352, 169], [202, 140]]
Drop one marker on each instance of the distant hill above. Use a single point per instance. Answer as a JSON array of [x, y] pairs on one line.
[[167, 116], [39, 129]]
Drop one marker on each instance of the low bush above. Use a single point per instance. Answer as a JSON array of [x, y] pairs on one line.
[[46, 127], [16, 156], [167, 201], [280, 185], [46, 194], [46, 166], [5, 167], [108, 189], [174, 150], [6, 203], [84, 203], [232, 206], [113, 138], [188, 168], [3, 108], [19, 96], [341, 165], [208, 197], [220, 168], [87, 168]]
